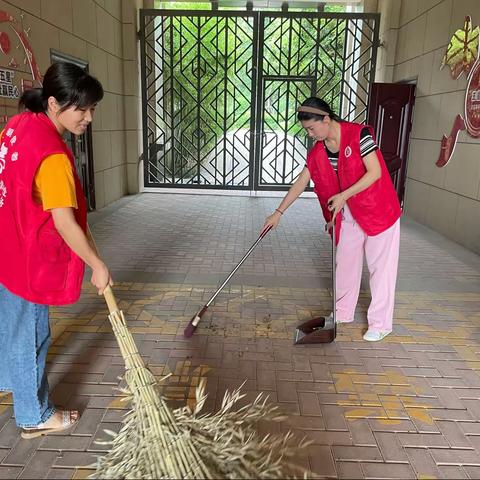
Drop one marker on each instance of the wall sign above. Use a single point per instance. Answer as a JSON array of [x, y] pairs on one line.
[[472, 102], [463, 55], [15, 51], [7, 88]]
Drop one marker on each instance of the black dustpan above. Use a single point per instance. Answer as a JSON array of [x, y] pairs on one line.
[[321, 329]]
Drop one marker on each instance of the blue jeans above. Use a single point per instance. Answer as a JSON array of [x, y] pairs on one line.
[[24, 342]]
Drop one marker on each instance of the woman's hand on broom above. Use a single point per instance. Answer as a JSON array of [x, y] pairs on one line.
[[272, 221], [336, 203], [101, 277]]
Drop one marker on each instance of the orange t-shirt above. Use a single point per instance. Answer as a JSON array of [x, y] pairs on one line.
[[54, 185]]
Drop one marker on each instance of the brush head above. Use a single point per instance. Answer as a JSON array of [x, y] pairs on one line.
[[191, 327], [189, 330]]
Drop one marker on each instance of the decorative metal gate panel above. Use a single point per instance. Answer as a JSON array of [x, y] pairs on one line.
[[331, 56], [220, 89], [198, 83]]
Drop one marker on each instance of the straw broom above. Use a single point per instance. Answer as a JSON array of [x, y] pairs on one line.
[[157, 443], [166, 452]]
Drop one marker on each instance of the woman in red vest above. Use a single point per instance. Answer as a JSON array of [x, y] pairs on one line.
[[354, 187], [44, 241]]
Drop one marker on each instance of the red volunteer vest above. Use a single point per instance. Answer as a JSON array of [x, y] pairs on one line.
[[35, 263], [377, 207]]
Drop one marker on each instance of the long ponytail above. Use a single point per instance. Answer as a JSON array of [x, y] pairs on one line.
[[33, 100]]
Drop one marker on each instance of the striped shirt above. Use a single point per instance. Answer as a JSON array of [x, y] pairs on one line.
[[367, 145]]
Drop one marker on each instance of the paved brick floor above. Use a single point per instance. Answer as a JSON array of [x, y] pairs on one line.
[[407, 407]]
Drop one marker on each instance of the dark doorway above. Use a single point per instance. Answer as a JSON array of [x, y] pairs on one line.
[[81, 145], [390, 114]]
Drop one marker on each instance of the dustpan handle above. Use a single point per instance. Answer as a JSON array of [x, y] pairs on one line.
[[110, 299], [334, 272]]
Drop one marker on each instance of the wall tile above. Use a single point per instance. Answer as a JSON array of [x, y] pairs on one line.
[[421, 162], [99, 190], [102, 150], [118, 147], [97, 63], [30, 6], [133, 172], [129, 38], [114, 8], [401, 72], [441, 211], [425, 5], [400, 52], [437, 26], [132, 146], [58, 12], [416, 199], [451, 105], [109, 112], [117, 37], [463, 171], [426, 69], [114, 183], [415, 37], [130, 77], [128, 11], [120, 123], [97, 123], [105, 30], [132, 108], [85, 20], [467, 223], [425, 117], [408, 11], [72, 45], [115, 74]]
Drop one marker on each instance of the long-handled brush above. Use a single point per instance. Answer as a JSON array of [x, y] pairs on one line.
[[192, 326]]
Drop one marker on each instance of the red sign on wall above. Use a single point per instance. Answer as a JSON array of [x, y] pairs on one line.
[[463, 55], [472, 102]]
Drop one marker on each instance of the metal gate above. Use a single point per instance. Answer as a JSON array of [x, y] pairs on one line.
[[220, 89]]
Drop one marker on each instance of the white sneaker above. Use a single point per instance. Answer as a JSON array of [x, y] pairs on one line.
[[375, 335]]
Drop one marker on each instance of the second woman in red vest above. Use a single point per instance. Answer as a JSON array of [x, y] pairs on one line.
[[353, 186]]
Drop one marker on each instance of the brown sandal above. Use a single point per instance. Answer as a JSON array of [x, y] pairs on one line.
[[69, 419]]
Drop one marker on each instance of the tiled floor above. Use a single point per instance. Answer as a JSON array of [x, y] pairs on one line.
[[407, 407]]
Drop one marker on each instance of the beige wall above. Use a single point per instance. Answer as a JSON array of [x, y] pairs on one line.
[[103, 34], [415, 34]]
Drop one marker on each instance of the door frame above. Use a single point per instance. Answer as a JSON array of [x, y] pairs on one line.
[[402, 172]]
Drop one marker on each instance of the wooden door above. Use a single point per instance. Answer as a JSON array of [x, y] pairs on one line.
[[390, 114]]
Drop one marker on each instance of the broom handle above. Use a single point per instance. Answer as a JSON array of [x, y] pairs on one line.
[[108, 292], [110, 299], [259, 239]]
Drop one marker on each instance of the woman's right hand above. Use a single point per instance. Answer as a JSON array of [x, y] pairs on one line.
[[271, 221], [101, 277]]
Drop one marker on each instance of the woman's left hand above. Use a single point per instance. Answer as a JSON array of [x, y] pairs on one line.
[[336, 203]]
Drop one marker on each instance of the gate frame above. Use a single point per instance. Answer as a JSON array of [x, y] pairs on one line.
[[257, 90]]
